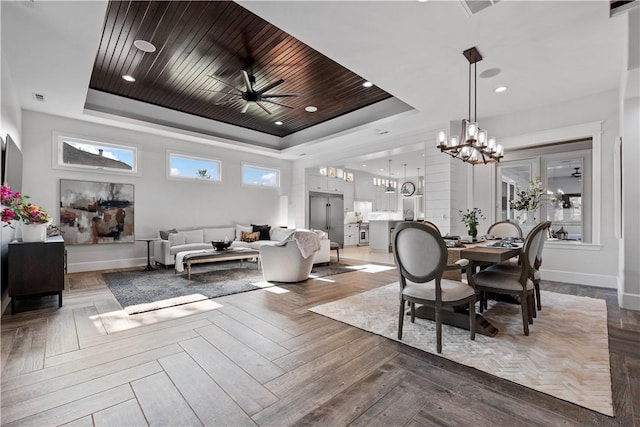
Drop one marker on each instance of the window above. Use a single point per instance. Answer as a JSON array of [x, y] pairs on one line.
[[565, 172], [85, 154], [260, 176], [183, 166]]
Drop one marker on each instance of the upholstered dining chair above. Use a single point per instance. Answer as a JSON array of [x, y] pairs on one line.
[[499, 282], [421, 256], [514, 269], [505, 229], [429, 223]]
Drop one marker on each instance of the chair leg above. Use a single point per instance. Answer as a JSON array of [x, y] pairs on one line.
[[524, 305], [536, 285], [401, 319], [482, 294], [413, 312], [532, 307], [438, 331], [472, 319]]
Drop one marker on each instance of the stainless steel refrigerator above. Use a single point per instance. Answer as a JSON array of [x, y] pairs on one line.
[[326, 212]]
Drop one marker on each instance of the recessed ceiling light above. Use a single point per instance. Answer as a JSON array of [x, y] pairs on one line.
[[364, 166], [501, 89], [278, 123], [490, 72], [367, 84], [144, 46], [381, 170], [310, 109], [422, 1], [129, 78]]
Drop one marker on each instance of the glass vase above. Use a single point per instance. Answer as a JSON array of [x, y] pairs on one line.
[[34, 232]]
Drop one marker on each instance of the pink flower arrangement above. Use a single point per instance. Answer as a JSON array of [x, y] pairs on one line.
[[16, 208]]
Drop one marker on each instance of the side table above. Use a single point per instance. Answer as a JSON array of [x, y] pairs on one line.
[[149, 267]]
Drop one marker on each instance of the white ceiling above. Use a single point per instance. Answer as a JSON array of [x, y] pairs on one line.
[[547, 51]]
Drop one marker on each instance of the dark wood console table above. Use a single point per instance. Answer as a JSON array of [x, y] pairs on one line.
[[36, 269]]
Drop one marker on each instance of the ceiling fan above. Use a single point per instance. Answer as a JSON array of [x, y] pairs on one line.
[[250, 94], [577, 173]]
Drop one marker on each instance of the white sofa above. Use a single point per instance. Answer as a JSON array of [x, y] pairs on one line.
[[165, 250]]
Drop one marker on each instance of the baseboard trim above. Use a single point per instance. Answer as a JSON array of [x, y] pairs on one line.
[[598, 280], [79, 267], [629, 301]]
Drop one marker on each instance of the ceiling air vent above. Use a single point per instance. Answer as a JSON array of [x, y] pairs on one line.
[[474, 6], [38, 97]]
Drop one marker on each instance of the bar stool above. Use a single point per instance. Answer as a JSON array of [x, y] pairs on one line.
[[336, 246]]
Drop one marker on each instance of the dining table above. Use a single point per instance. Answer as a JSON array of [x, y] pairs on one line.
[[478, 255]]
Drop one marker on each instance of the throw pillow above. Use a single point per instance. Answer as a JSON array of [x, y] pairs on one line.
[[164, 234], [250, 237], [264, 231], [176, 239], [241, 228]]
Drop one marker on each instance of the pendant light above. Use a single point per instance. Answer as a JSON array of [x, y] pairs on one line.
[[389, 188], [419, 192], [474, 145], [405, 190]]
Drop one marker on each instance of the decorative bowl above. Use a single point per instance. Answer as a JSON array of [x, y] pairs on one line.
[[220, 245]]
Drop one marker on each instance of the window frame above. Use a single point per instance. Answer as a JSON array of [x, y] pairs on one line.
[[592, 130], [265, 168], [189, 156], [58, 162]]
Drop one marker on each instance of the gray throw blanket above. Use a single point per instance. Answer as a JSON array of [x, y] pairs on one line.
[[308, 242]]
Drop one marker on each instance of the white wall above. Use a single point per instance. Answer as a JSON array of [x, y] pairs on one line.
[[10, 123], [159, 203], [596, 264]]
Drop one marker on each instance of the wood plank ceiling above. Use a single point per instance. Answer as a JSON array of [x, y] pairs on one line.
[[195, 40]]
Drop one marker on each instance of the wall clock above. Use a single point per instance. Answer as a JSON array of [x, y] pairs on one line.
[[407, 189]]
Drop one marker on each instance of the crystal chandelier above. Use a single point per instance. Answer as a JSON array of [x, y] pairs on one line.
[[473, 146]]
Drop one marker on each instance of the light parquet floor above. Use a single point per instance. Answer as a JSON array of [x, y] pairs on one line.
[[261, 358]]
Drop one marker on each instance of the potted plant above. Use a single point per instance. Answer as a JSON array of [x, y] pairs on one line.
[[471, 218], [34, 219]]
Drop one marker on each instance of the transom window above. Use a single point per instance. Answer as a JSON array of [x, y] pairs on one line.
[[184, 166], [260, 176], [79, 153]]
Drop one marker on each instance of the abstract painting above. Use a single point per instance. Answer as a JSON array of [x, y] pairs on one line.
[[96, 212]]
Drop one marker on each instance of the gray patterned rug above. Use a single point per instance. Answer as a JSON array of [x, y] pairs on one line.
[[141, 291]]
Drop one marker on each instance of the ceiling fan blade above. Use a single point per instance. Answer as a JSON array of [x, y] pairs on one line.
[[270, 86], [218, 91], [281, 95], [245, 108], [277, 103], [224, 83], [261, 105], [247, 82]]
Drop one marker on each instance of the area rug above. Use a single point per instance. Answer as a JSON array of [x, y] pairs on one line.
[[566, 354], [142, 291]]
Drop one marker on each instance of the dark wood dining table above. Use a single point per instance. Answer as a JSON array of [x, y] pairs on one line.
[[477, 254]]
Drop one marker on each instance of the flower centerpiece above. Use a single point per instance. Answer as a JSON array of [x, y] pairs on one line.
[[528, 200], [471, 218], [16, 208]]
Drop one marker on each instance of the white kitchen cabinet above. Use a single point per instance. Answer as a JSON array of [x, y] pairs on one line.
[[326, 184], [351, 232]]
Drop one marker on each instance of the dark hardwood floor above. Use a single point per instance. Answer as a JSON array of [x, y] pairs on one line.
[[260, 358]]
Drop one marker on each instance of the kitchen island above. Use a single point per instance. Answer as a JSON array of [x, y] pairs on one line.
[[380, 232]]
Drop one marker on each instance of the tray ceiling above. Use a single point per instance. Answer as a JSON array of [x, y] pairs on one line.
[[197, 40]]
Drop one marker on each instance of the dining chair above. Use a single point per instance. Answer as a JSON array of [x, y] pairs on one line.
[[420, 254], [498, 282], [505, 229], [429, 223], [514, 269]]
